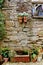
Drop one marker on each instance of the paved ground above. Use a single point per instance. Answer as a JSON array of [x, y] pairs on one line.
[[31, 63]]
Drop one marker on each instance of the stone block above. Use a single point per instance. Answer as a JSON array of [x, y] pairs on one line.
[[9, 23], [11, 33], [10, 29]]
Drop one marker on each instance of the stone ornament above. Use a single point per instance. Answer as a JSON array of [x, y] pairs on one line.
[[23, 17]]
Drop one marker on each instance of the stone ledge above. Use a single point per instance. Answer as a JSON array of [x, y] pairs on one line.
[[21, 55], [21, 63]]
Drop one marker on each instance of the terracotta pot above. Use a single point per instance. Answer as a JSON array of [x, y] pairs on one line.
[[5, 59], [20, 19], [0, 57], [34, 60], [25, 19]]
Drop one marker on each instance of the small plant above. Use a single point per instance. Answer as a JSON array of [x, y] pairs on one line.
[[34, 54], [33, 57], [20, 14], [5, 52], [25, 52], [22, 52], [25, 14]]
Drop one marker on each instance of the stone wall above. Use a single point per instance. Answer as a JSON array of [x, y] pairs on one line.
[[20, 36]]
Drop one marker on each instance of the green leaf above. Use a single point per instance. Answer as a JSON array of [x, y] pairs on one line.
[[1, 1]]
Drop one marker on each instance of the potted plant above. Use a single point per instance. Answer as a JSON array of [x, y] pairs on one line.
[[20, 17], [5, 54], [34, 55], [1, 3], [25, 17], [22, 56]]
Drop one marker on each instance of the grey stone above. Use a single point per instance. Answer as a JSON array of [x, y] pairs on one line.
[[19, 35]]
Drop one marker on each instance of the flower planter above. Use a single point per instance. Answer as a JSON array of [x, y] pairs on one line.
[[22, 58], [5, 54], [20, 19], [25, 19], [5, 59]]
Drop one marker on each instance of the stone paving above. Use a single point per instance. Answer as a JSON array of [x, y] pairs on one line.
[[20, 63]]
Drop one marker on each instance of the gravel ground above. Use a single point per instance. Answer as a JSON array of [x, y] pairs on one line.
[[20, 63]]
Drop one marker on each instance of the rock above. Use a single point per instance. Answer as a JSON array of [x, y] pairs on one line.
[[25, 29], [24, 42], [34, 38], [11, 33], [9, 23], [10, 29]]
